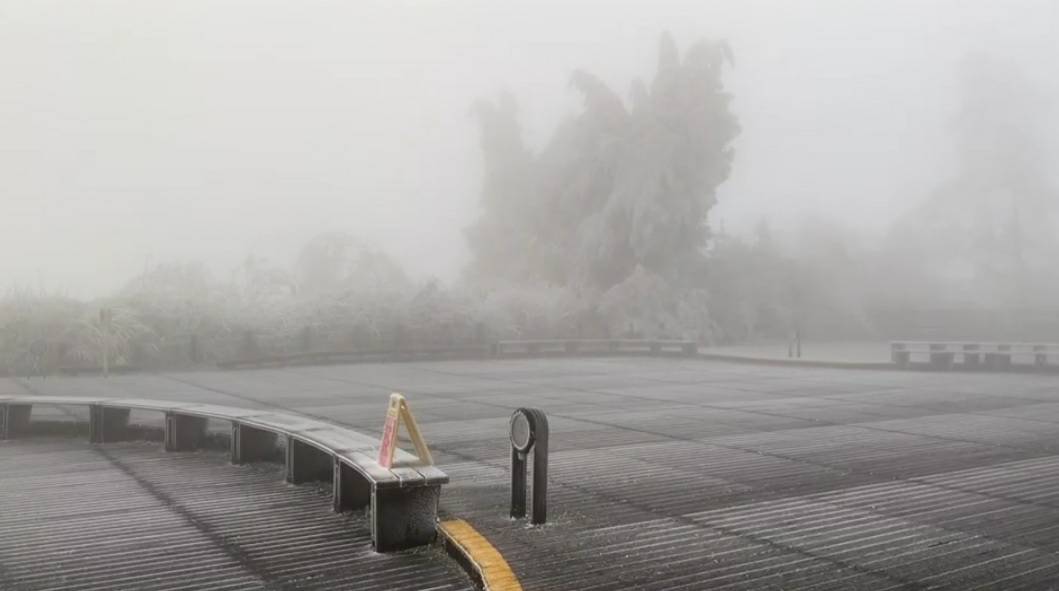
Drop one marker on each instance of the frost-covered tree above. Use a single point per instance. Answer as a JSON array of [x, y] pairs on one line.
[[120, 337], [503, 238], [622, 188], [35, 330], [337, 262], [257, 281], [172, 296]]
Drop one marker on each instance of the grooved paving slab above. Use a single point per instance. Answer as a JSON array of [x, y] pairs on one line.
[[130, 516], [682, 474]]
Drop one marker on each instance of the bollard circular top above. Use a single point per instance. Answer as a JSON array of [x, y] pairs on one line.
[[523, 429]]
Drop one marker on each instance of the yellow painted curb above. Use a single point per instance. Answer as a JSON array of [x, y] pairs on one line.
[[494, 571]]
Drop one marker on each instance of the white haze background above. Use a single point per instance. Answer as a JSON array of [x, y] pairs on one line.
[[138, 132]]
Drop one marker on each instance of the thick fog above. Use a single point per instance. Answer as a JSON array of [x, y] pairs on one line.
[[136, 133]]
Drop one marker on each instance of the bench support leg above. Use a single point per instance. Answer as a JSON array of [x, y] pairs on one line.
[[998, 361], [305, 463], [251, 445], [351, 490], [902, 358], [404, 517], [183, 432], [107, 424], [941, 360], [14, 420]]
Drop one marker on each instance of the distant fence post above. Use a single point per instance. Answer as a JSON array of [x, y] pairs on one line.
[[794, 345]]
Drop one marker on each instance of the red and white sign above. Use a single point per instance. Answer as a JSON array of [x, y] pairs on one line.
[[397, 412], [389, 431]]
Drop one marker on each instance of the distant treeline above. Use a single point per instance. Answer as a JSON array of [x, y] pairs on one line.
[[604, 232]]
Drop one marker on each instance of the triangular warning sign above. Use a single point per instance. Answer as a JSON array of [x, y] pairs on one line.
[[397, 413]]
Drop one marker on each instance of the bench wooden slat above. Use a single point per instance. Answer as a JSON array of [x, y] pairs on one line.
[[367, 465], [339, 440], [285, 423], [407, 475], [433, 475]]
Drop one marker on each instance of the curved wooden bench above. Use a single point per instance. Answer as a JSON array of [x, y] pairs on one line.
[[402, 500]]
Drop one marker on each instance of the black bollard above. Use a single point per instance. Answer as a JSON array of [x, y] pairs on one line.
[[529, 433]]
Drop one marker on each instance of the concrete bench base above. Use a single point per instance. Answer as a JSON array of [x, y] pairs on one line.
[[401, 517], [404, 517]]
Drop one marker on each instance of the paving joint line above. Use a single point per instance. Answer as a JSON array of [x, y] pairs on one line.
[[220, 541]]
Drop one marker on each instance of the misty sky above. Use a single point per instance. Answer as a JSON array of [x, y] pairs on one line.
[[134, 132]]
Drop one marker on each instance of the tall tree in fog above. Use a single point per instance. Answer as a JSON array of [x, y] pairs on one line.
[[990, 230], [621, 190], [502, 240]]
